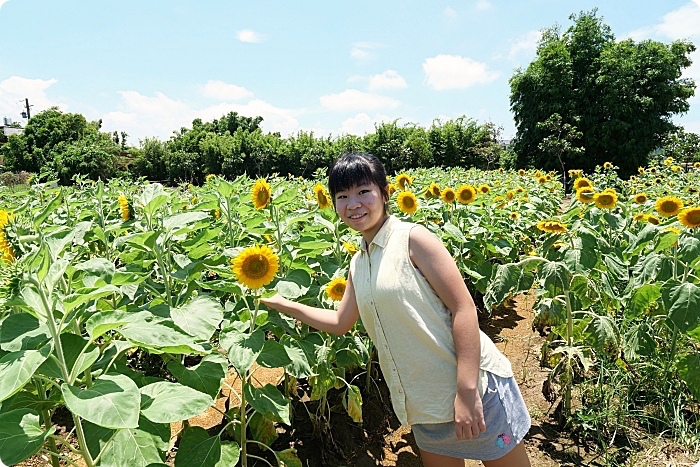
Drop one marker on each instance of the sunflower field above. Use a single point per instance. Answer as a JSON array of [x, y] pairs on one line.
[[125, 305]]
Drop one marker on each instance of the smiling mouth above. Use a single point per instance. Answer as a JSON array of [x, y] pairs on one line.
[[355, 217]]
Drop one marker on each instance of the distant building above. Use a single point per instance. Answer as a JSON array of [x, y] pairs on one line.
[[9, 129]]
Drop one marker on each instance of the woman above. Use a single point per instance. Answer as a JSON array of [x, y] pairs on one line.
[[447, 379]]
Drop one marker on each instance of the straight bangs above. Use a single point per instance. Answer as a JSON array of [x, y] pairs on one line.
[[346, 176]]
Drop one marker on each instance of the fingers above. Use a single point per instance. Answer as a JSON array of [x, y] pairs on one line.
[[466, 430]]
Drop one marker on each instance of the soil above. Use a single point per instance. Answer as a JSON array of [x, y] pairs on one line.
[[381, 441]]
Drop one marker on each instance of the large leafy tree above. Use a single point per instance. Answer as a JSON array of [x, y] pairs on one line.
[[620, 96]]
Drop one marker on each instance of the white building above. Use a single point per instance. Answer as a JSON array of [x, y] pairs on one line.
[[8, 129]]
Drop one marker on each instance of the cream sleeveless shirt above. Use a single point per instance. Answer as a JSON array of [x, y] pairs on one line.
[[412, 329]]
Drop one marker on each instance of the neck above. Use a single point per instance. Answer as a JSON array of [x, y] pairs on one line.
[[370, 234]]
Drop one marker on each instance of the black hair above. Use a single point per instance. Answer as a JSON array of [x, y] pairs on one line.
[[355, 168]]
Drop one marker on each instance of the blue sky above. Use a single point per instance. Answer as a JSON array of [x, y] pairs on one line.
[[151, 67]]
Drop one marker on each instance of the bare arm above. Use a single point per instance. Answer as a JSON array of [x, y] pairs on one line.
[[439, 268], [337, 321]]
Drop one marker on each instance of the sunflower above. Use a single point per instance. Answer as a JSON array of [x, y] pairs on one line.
[[514, 215], [538, 174], [640, 217], [690, 217], [668, 161], [433, 191], [607, 165], [640, 170], [668, 206], [321, 196], [652, 170], [261, 193], [640, 198], [653, 219], [255, 266], [7, 254], [551, 226], [582, 182], [521, 172], [351, 248], [676, 168], [606, 199], [499, 201], [585, 195], [336, 289], [541, 179], [510, 194], [484, 188], [390, 189], [520, 190], [466, 194], [209, 178], [216, 213], [407, 201], [696, 165], [448, 195], [658, 180], [404, 180], [124, 207]]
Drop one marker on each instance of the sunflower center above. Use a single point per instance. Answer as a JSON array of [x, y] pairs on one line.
[[694, 216], [322, 200], [262, 195], [408, 202], [255, 266], [669, 206]]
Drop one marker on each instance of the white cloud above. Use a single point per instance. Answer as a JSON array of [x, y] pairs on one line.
[[352, 99], [525, 44], [390, 79], [455, 72], [363, 50], [15, 89], [249, 36], [483, 5], [158, 116], [362, 124], [226, 92], [681, 23], [2, 2], [450, 13]]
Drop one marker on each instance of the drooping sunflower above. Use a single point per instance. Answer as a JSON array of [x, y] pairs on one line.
[[607, 165], [466, 194], [390, 189], [669, 206], [448, 195], [336, 289], [676, 168], [514, 215], [209, 178], [7, 254], [255, 266], [407, 202], [510, 194], [124, 207], [403, 180], [653, 219], [640, 170], [668, 161], [551, 226], [640, 198], [322, 198], [640, 217], [542, 180], [690, 217], [585, 195], [261, 194], [351, 248], [582, 182], [520, 190], [484, 188], [607, 199], [499, 201], [433, 191]]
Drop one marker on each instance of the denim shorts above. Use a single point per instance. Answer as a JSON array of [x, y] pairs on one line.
[[507, 423]]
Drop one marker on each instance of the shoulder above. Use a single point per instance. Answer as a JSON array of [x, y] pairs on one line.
[[422, 241]]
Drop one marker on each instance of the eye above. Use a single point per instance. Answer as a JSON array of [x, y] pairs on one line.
[[340, 197], [362, 192]]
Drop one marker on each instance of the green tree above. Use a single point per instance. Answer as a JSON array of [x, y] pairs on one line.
[[621, 96], [682, 146], [561, 142]]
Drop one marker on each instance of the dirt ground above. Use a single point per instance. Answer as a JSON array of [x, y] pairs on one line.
[[390, 445]]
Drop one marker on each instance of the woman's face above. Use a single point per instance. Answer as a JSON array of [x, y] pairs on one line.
[[361, 208]]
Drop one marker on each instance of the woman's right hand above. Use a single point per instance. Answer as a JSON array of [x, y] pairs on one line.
[[276, 302]]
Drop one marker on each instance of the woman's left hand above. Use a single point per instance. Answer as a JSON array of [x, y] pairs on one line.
[[469, 414]]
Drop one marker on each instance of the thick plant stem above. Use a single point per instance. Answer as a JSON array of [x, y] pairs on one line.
[[244, 421], [569, 342]]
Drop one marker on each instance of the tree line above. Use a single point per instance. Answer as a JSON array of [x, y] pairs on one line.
[[585, 99]]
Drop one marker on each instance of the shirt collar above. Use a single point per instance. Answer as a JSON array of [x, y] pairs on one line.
[[383, 234]]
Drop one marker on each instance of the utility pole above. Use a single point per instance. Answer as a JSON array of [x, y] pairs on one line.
[[26, 114]]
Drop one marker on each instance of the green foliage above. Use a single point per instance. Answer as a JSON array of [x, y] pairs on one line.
[[619, 95]]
